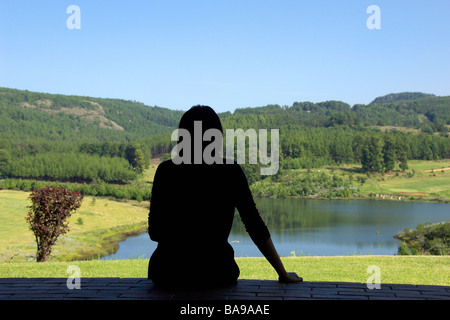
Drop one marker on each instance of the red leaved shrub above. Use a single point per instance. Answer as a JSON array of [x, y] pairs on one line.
[[51, 206]]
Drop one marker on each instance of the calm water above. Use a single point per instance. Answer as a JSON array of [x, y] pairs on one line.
[[319, 227]]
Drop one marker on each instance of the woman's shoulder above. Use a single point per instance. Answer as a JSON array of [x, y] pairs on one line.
[[166, 163], [230, 167], [164, 166]]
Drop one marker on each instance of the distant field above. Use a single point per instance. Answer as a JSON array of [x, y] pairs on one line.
[[148, 174], [419, 185], [431, 180], [96, 220], [13, 209], [422, 165]]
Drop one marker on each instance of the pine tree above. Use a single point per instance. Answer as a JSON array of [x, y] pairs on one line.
[[5, 158], [139, 161], [388, 154], [372, 156], [403, 161]]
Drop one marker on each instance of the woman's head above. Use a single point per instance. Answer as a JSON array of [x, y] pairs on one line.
[[206, 118], [205, 114]]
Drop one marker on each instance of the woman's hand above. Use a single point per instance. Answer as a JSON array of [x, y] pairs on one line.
[[268, 250], [290, 277]]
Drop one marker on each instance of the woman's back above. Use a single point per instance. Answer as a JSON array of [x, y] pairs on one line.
[[191, 215], [192, 202]]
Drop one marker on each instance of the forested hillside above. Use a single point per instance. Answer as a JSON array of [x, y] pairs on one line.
[[76, 139], [32, 116], [393, 97], [45, 136]]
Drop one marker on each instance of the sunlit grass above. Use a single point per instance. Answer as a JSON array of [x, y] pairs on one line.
[[97, 220], [423, 183], [426, 270], [394, 269]]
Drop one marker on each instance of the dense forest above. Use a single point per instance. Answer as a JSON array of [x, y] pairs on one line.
[[96, 141]]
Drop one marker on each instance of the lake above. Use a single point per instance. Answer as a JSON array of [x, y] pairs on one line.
[[319, 227]]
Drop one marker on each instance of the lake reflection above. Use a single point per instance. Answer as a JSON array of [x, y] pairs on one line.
[[319, 227]]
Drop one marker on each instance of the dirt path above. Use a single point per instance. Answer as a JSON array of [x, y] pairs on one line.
[[413, 193], [437, 169]]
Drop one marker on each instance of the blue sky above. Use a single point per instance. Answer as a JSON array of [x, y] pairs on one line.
[[226, 54]]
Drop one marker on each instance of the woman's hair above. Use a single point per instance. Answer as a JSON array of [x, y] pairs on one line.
[[205, 114], [209, 120]]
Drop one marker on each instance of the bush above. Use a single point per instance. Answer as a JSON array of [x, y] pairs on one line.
[[431, 239], [47, 219], [404, 250]]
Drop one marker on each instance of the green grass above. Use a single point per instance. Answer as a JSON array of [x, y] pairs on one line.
[[13, 208], [94, 227], [429, 182], [431, 270], [422, 165], [424, 184], [426, 270], [423, 181]]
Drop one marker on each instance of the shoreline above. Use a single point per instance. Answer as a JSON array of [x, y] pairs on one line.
[[404, 198], [107, 246], [102, 244]]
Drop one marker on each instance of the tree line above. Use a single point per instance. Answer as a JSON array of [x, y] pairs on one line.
[[96, 188], [38, 144], [136, 156], [75, 167]]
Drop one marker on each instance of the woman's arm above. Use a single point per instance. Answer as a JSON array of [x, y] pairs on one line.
[[156, 227], [257, 229], [270, 253]]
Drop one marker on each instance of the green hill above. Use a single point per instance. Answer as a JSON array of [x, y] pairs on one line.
[[54, 137], [26, 116], [394, 97], [42, 136], [424, 112], [32, 116]]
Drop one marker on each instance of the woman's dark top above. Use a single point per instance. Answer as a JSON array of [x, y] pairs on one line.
[[191, 214]]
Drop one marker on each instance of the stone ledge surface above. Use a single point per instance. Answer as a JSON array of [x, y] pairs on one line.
[[143, 289]]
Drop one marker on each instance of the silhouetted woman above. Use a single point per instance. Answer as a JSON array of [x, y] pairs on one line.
[[191, 214]]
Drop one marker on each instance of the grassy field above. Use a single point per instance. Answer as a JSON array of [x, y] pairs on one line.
[[149, 173], [93, 228], [426, 270], [430, 181], [424, 180]]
